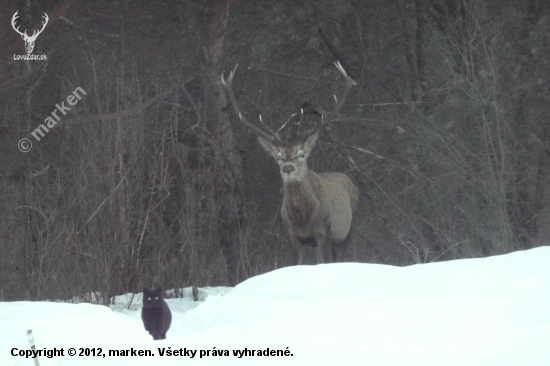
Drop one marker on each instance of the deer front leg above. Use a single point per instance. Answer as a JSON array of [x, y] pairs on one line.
[[296, 251], [324, 245], [339, 249]]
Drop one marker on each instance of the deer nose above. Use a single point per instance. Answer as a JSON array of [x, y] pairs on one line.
[[288, 168]]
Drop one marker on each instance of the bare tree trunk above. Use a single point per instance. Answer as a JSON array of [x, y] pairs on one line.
[[228, 162]]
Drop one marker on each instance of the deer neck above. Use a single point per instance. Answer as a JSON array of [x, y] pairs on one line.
[[299, 201]]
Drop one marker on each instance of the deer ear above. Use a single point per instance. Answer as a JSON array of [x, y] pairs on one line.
[[309, 144], [269, 147]]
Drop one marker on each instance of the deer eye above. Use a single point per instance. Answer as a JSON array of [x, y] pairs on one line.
[[279, 158], [302, 154]]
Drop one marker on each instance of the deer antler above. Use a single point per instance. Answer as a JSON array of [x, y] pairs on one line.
[[24, 34], [270, 134], [43, 26], [13, 19], [339, 103]]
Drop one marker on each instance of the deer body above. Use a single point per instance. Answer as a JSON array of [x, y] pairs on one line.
[[317, 208]]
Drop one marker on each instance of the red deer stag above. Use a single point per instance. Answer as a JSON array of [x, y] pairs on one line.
[[317, 208]]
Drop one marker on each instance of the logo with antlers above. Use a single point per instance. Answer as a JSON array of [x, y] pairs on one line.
[[29, 40]]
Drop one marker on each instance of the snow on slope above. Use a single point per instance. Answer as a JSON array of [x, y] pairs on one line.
[[491, 311]]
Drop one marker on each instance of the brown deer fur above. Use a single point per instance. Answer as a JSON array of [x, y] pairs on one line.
[[317, 208]]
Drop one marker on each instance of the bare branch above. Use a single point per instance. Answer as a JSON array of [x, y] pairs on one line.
[[539, 143]]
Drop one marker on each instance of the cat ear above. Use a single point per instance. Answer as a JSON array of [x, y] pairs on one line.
[[159, 290], [145, 290]]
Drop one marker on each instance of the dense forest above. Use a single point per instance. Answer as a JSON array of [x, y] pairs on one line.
[[144, 173]]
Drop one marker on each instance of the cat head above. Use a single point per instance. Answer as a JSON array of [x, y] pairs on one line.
[[152, 297]]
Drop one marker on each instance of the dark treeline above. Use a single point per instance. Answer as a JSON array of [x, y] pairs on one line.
[[150, 177]]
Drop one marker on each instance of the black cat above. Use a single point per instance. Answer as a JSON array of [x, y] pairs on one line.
[[155, 314]]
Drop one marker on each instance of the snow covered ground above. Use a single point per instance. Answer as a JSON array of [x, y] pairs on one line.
[[491, 311]]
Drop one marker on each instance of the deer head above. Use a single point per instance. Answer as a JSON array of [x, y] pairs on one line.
[[292, 158], [29, 40]]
